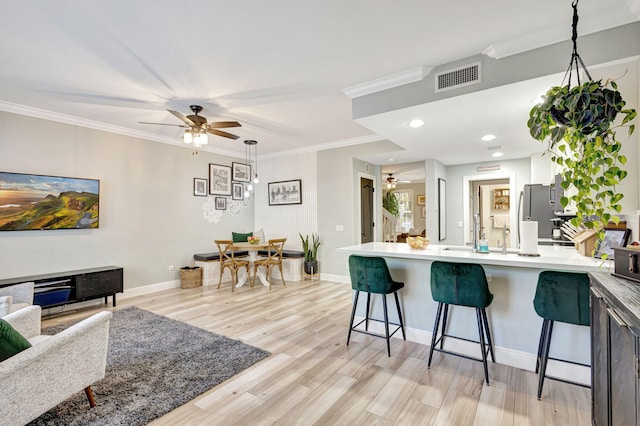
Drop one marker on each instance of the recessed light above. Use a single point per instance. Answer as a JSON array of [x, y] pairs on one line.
[[497, 154], [391, 160], [488, 138], [415, 123]]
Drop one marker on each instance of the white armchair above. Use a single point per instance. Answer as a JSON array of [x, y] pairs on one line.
[[54, 368], [15, 297]]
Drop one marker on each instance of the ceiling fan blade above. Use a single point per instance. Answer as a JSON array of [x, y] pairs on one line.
[[182, 117], [223, 124], [223, 134], [165, 124]]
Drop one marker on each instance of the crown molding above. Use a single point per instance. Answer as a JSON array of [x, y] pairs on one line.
[[388, 82], [322, 147], [105, 127], [588, 25]]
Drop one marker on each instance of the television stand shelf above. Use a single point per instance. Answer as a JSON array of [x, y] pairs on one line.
[[67, 287]]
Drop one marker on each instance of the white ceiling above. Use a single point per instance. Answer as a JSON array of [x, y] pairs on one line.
[[279, 67]]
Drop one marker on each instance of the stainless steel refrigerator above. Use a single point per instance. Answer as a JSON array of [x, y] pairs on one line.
[[539, 204]]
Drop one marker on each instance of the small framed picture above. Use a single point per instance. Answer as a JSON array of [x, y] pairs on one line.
[[422, 199], [219, 179], [237, 191], [285, 192], [200, 187], [221, 203], [613, 237], [241, 172]]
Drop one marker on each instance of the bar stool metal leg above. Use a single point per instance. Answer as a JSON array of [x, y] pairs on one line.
[[488, 333], [353, 315], [400, 316], [482, 345], [444, 325], [545, 324], [386, 323], [435, 334], [366, 323], [545, 356]]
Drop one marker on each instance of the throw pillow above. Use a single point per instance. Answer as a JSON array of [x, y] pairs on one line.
[[240, 238], [260, 234], [11, 342]]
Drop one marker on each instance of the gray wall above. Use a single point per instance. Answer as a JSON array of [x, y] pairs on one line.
[[149, 218]]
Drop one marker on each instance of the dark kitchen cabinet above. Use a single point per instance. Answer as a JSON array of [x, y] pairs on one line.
[[615, 350]]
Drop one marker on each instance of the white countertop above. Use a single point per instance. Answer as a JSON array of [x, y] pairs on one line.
[[551, 257]]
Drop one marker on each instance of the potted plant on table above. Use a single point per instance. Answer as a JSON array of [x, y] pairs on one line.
[[310, 249]]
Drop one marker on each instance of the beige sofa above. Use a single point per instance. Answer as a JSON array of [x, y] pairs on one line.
[[54, 368]]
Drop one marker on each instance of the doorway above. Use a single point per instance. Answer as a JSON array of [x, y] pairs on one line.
[[493, 197], [366, 210]]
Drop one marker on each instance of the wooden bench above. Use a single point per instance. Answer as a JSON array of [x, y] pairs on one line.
[[292, 261]]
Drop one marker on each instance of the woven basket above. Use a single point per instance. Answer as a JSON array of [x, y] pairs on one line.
[[190, 277]]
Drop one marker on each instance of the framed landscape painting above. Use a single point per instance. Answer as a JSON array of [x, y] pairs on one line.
[[285, 192], [219, 179], [38, 202]]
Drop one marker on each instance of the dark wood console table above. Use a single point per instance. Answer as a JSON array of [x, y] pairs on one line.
[[77, 286]]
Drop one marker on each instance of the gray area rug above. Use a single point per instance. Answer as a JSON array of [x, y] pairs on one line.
[[154, 365]]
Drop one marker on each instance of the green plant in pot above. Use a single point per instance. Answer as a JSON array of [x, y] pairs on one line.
[[578, 125], [390, 203], [310, 249]]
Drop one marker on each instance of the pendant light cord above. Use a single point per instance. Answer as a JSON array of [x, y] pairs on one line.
[[576, 60]]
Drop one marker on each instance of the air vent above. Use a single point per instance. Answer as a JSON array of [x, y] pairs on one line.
[[459, 77]]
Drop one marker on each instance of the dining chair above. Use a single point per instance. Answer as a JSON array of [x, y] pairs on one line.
[[229, 261], [273, 259]]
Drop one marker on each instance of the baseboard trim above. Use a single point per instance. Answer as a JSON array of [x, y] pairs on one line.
[[506, 356], [151, 288]]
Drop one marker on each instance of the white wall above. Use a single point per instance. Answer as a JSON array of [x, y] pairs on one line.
[[149, 218], [286, 221]]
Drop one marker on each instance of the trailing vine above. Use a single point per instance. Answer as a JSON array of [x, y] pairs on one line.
[[577, 124]]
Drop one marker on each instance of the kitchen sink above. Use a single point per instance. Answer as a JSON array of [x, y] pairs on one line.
[[491, 249]]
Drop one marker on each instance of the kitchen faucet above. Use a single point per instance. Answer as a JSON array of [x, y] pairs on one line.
[[504, 239]]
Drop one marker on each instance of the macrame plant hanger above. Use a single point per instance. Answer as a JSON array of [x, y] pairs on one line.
[[576, 60]]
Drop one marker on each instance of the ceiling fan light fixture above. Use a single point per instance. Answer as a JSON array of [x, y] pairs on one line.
[[201, 139], [187, 137]]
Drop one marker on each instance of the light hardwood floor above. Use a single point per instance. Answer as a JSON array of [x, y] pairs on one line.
[[312, 377]]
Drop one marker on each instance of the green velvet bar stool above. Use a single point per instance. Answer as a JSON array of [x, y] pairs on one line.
[[371, 275], [461, 284], [563, 297]]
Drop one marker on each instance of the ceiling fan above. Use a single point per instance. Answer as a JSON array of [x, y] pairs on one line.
[[197, 126], [391, 182]]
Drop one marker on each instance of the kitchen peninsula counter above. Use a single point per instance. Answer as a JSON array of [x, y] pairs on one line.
[[551, 257], [512, 279]]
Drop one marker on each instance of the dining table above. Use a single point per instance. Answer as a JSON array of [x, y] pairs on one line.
[[252, 248]]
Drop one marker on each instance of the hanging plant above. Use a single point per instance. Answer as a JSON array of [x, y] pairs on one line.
[[577, 123]]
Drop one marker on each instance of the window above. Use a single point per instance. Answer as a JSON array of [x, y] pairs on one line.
[[405, 220]]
